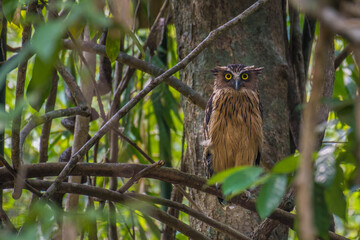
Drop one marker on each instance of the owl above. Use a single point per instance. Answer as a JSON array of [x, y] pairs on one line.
[[233, 119]]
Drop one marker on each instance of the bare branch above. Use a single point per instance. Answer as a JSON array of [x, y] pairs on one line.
[[126, 200], [18, 177], [45, 131], [128, 170], [147, 157], [71, 83], [341, 56]]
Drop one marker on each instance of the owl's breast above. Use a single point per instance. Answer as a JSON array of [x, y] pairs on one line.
[[235, 129]]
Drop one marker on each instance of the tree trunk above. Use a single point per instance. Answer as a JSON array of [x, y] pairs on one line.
[[260, 40]]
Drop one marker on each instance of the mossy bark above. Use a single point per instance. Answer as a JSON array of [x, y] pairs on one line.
[[260, 40]]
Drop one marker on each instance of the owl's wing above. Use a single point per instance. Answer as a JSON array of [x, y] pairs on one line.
[[207, 156], [208, 111], [258, 157]]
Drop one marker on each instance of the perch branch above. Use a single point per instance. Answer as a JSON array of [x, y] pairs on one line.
[[153, 83], [128, 170]]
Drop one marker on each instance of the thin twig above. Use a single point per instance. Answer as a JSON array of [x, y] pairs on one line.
[[341, 56], [139, 175], [186, 195], [147, 157], [155, 82]]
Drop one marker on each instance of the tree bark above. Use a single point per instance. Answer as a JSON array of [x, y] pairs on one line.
[[259, 40]]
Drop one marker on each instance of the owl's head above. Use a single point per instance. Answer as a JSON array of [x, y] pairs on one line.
[[236, 76]]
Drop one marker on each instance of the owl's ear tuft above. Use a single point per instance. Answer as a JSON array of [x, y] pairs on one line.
[[258, 70], [215, 71]]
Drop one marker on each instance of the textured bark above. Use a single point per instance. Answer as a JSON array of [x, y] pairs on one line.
[[260, 41]]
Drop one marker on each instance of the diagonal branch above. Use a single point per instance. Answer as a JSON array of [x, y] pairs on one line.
[[149, 68], [155, 82], [139, 175]]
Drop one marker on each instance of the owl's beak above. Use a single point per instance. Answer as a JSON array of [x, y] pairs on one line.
[[238, 84]]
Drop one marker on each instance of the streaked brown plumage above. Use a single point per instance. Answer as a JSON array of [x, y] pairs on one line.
[[233, 121]]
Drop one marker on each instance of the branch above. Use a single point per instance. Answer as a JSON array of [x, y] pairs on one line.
[[139, 175], [45, 131], [341, 56], [128, 170], [149, 68], [124, 199], [71, 83], [18, 177], [153, 83], [147, 157], [304, 178], [20, 84]]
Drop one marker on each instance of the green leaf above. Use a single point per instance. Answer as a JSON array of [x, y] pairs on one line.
[[153, 227], [9, 8], [334, 196], [287, 165], [112, 46], [321, 212], [271, 194], [325, 167], [220, 177], [77, 28], [40, 84], [240, 180], [46, 40]]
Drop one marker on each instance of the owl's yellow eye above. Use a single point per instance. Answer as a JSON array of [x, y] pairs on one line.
[[228, 76], [244, 76]]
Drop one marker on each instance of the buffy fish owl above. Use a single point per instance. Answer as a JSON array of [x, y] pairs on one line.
[[233, 119]]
